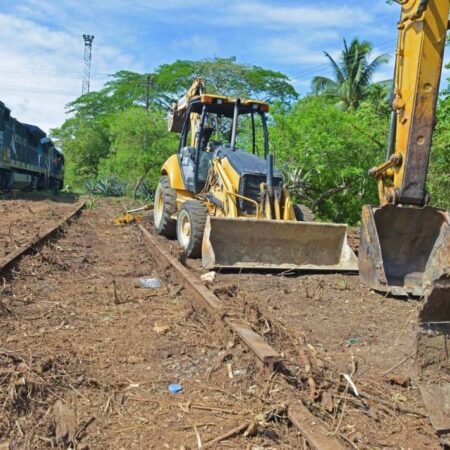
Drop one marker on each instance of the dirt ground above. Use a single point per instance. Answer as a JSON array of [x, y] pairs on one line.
[[86, 356], [21, 221], [77, 335]]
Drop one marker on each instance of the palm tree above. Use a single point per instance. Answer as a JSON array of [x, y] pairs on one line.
[[352, 74]]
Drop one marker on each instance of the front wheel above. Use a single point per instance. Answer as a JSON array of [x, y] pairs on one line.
[[165, 207], [303, 214], [191, 222]]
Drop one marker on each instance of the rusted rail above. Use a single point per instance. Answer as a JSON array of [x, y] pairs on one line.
[[311, 429], [308, 425], [262, 350], [14, 256]]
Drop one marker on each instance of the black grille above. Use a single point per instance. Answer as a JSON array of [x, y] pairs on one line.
[[249, 187]]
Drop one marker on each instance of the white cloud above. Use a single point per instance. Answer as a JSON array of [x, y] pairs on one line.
[[296, 49], [272, 14], [196, 46], [42, 69]]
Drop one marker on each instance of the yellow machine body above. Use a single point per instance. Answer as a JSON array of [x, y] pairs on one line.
[[401, 238], [404, 243], [237, 240], [260, 230]]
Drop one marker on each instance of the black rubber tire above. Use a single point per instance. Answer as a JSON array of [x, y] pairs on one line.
[[196, 213], [303, 214], [166, 226]]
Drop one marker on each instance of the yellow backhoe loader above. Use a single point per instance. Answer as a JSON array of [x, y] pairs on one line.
[[229, 206], [405, 243]]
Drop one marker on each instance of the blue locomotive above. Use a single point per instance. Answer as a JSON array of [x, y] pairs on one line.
[[28, 158]]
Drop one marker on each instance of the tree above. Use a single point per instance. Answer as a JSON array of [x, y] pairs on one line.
[[140, 145], [353, 74], [325, 154], [109, 132], [438, 182], [84, 145]]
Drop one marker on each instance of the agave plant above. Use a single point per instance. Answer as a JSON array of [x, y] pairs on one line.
[[108, 187], [145, 191]]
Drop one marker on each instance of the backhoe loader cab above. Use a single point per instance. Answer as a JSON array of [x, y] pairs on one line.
[[221, 196], [224, 127]]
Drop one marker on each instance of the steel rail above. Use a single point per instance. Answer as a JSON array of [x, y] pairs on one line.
[[7, 261], [299, 415]]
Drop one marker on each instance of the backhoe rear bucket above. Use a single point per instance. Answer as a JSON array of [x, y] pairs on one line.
[[276, 244], [403, 249], [432, 362]]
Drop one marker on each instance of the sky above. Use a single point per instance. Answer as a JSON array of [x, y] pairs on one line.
[[41, 43]]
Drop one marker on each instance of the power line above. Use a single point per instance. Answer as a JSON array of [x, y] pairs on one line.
[[50, 71], [37, 90]]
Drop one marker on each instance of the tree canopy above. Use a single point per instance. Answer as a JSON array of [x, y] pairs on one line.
[[353, 72], [323, 149]]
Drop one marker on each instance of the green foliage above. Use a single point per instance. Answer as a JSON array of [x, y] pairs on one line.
[[439, 174], [113, 146], [438, 182], [325, 154], [110, 135], [108, 187], [84, 145], [353, 74], [223, 76], [90, 204], [140, 145]]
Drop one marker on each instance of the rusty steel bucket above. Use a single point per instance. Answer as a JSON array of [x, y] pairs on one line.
[[406, 251], [432, 362], [403, 249], [244, 243]]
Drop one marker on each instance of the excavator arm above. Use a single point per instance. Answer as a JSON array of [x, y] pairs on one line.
[[404, 243], [422, 34], [178, 110]]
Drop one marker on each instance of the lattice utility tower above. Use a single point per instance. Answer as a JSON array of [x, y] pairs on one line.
[[88, 38]]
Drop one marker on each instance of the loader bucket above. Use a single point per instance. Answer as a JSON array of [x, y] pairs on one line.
[[276, 244], [403, 249]]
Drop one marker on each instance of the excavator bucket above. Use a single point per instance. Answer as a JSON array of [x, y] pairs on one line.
[[403, 249], [406, 251], [276, 244], [432, 361]]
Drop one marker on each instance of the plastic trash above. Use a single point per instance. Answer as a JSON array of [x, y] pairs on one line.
[[208, 277], [175, 388], [352, 341], [149, 283]]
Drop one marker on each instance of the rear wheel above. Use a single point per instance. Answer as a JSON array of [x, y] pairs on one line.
[[165, 207], [191, 226], [303, 214]]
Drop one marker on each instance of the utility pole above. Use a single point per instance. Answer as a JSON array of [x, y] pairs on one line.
[[88, 38], [147, 94]]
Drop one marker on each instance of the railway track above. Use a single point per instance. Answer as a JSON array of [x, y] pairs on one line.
[[8, 261], [317, 435], [213, 345]]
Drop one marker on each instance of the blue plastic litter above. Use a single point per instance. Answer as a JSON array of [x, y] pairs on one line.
[[352, 341], [175, 388]]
